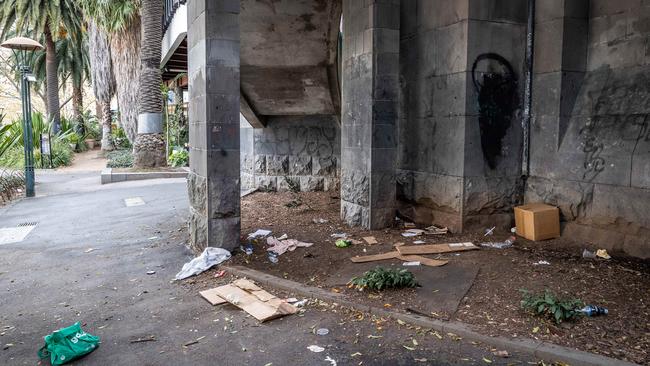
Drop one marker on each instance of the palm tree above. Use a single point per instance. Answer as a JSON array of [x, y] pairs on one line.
[[53, 19], [149, 146], [120, 19], [103, 79]]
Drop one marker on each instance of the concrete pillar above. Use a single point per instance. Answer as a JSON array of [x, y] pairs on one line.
[[213, 71], [370, 87]]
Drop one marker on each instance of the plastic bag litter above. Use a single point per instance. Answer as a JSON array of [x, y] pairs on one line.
[[210, 257], [259, 233]]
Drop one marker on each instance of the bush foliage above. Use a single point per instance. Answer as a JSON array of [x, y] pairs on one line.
[[119, 159], [381, 278], [549, 305]]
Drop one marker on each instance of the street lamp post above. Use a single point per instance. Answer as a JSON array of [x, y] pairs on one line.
[[20, 46]]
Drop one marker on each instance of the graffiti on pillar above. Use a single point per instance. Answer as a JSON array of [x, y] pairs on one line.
[[497, 100], [594, 163]]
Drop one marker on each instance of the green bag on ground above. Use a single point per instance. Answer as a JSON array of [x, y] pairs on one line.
[[67, 344]]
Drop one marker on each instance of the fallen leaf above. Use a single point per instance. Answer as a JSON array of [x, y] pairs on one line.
[[536, 329], [356, 354], [374, 336], [415, 343], [400, 322], [409, 348], [487, 360]]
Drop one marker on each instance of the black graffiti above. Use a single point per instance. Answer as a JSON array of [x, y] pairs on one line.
[[497, 101]]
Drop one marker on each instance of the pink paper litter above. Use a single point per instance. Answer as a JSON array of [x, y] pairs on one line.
[[282, 246]]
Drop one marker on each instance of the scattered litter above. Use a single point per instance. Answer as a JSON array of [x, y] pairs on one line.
[[211, 256], [220, 274], [291, 300], [259, 233], [89, 250], [322, 331], [282, 246], [409, 225], [283, 237], [248, 247], [328, 358], [593, 310], [273, 257], [300, 303], [412, 232], [339, 235], [513, 230], [320, 221], [247, 296], [435, 248], [489, 231], [411, 264], [500, 245], [140, 340], [370, 240], [392, 255], [435, 230], [356, 242], [342, 243], [67, 344], [419, 242], [503, 354], [602, 253], [587, 254], [541, 263], [315, 348], [151, 272]]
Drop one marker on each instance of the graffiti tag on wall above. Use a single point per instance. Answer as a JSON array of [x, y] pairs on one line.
[[497, 100]]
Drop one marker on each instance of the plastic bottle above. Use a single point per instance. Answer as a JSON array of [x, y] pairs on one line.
[[273, 257], [593, 310], [248, 247]]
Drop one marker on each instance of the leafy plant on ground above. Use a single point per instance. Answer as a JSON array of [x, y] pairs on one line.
[[549, 305], [381, 278], [10, 182], [119, 138], [179, 157], [119, 159]]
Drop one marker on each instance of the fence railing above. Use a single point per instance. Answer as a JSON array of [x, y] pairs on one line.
[[170, 7]]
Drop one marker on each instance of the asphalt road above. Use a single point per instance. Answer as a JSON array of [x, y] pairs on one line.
[[87, 260]]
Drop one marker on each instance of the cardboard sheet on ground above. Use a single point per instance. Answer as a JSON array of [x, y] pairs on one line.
[[435, 248], [442, 288], [247, 296], [395, 255]]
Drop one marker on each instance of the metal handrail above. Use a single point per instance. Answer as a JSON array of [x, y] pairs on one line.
[[170, 7]]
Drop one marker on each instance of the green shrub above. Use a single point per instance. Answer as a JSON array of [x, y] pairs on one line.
[[381, 278], [10, 182], [179, 157], [62, 155], [119, 159], [119, 139], [550, 306]]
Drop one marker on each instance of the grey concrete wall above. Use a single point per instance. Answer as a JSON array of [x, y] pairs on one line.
[[590, 142], [301, 151], [454, 168]]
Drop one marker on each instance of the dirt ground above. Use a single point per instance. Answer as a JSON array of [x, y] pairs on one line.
[[492, 304]]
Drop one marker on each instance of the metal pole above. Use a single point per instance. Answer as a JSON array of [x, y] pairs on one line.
[[528, 88], [27, 132]]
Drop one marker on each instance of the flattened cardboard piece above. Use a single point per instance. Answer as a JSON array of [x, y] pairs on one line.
[[375, 257], [212, 297], [370, 240], [423, 260], [435, 248], [252, 303]]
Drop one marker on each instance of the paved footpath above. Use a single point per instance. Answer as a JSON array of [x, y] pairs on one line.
[[87, 260]]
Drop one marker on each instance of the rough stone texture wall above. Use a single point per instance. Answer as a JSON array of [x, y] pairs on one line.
[[459, 129], [590, 141], [370, 89], [300, 151], [213, 71]]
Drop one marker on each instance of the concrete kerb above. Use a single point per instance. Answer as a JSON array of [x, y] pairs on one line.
[[538, 349], [110, 176]]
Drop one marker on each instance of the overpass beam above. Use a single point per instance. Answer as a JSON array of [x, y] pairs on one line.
[[213, 71], [370, 89]]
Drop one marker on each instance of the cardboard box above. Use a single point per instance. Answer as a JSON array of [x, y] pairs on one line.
[[537, 221]]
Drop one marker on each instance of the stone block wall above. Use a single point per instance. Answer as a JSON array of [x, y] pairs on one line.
[[458, 164], [590, 138], [291, 151]]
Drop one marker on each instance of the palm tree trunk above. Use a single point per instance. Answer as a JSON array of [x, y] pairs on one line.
[[52, 81], [77, 107], [107, 144], [149, 146], [125, 53]]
